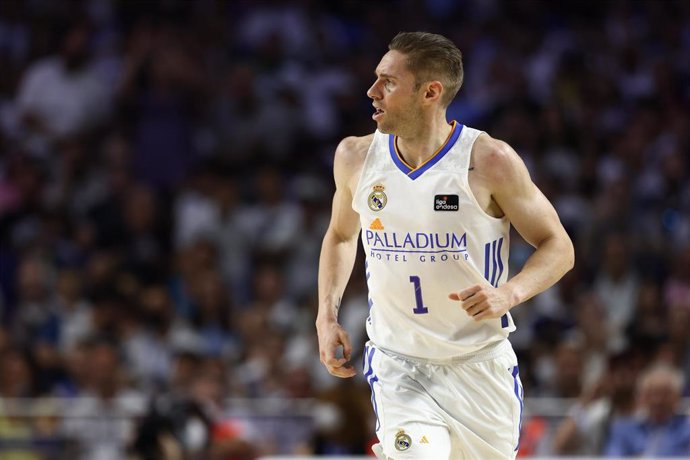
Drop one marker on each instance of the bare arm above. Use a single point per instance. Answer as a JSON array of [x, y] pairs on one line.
[[338, 253], [535, 219]]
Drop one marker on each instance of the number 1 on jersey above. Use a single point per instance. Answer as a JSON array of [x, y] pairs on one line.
[[419, 309]]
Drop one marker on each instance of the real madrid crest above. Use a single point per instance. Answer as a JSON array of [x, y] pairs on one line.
[[377, 199], [402, 441]]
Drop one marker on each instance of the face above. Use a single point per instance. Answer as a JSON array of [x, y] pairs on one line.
[[75, 47], [660, 398], [394, 96]]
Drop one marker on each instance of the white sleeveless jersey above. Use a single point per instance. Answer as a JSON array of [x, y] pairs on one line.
[[425, 236]]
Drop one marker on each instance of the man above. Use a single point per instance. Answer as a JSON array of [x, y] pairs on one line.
[[658, 430], [434, 201], [62, 96]]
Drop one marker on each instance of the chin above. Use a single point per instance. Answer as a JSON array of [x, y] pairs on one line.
[[385, 128]]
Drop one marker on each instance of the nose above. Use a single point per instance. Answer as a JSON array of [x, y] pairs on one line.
[[374, 92]]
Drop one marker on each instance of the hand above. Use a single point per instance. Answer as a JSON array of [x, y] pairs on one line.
[[483, 302], [331, 337]]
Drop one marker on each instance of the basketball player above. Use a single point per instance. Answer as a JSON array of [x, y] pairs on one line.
[[434, 202]]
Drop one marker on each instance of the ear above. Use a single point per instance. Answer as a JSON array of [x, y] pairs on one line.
[[433, 91]]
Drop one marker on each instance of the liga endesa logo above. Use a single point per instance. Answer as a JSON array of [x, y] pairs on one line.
[[446, 202]]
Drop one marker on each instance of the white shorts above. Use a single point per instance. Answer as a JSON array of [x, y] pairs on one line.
[[467, 408]]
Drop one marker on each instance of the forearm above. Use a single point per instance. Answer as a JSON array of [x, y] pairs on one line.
[[566, 437], [553, 258], [335, 267]]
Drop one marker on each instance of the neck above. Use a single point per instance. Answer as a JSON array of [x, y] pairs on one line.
[[418, 146]]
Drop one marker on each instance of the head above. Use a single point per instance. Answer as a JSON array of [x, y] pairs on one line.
[[35, 280], [621, 378], [421, 73], [75, 45], [156, 308], [569, 361], [105, 367], [140, 209], [69, 285], [616, 251], [16, 374], [659, 390], [186, 366]]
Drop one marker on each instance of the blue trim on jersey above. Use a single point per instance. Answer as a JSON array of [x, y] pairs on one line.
[[493, 268], [494, 264], [371, 378], [422, 251], [487, 253], [373, 401], [500, 262], [394, 156], [435, 158], [520, 396]]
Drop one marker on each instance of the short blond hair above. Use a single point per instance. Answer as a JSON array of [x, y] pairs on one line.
[[431, 57]]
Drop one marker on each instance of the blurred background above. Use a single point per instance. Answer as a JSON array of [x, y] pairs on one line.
[[165, 182]]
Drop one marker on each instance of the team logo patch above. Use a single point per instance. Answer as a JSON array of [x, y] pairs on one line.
[[402, 441], [446, 202], [377, 199]]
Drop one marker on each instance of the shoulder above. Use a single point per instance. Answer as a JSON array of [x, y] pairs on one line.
[[350, 155], [46, 66], [494, 156], [353, 149], [40, 72], [497, 162]]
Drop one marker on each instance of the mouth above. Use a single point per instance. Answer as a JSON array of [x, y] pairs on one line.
[[377, 113]]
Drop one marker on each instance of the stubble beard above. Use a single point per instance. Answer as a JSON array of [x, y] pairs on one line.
[[398, 124]]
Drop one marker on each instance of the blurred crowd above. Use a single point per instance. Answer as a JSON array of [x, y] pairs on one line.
[[165, 182]]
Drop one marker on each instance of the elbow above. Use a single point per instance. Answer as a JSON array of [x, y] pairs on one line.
[[570, 255], [561, 249]]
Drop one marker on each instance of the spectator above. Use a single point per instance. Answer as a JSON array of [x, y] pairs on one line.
[[74, 311], [676, 350], [648, 328], [272, 219], [212, 315], [231, 239], [602, 404], [162, 83], [17, 379], [154, 338], [677, 288], [62, 96], [36, 320], [101, 420], [617, 287], [658, 430]]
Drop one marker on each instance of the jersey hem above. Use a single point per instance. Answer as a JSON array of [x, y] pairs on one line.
[[487, 353]]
